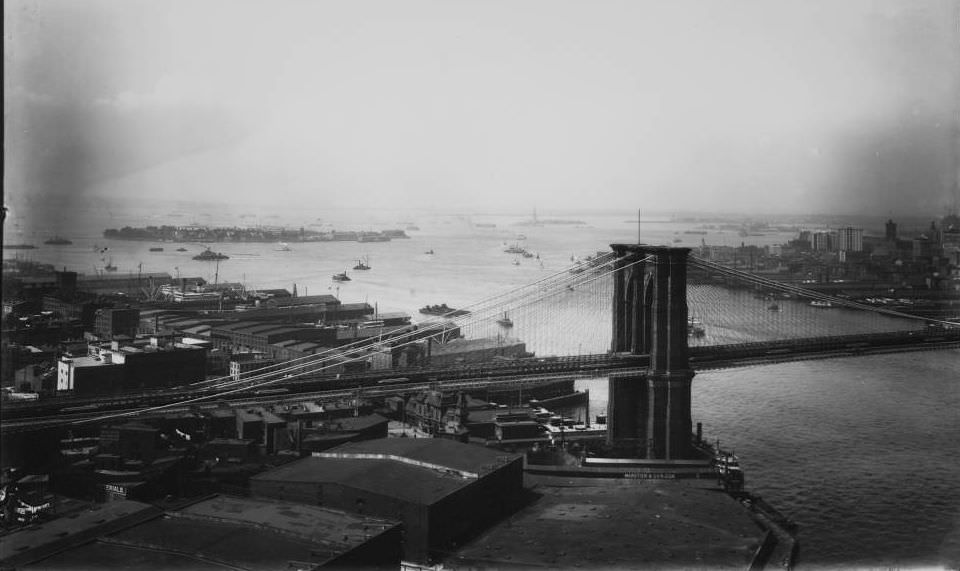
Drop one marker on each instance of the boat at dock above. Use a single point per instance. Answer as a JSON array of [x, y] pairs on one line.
[[443, 311]]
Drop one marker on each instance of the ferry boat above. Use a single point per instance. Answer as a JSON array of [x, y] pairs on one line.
[[209, 255], [362, 265], [341, 277], [443, 310], [58, 241]]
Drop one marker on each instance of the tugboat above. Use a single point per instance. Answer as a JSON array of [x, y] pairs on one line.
[[695, 327], [209, 256], [58, 241], [729, 474], [505, 321], [341, 277]]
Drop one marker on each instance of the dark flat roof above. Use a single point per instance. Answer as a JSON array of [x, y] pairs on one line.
[[618, 524], [227, 532]]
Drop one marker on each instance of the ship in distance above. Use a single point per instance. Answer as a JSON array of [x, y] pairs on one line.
[[58, 241], [443, 310]]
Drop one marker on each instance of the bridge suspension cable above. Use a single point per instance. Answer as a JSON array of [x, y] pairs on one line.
[[485, 310]]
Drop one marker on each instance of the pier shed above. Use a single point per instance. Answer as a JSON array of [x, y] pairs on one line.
[[443, 491]]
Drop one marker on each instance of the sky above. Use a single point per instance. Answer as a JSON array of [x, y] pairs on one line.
[[693, 106]]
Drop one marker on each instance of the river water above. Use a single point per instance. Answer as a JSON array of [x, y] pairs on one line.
[[862, 452]]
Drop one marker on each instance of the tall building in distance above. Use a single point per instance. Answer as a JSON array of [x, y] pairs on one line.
[[850, 239], [891, 231]]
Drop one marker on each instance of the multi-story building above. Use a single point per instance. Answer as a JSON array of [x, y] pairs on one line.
[[850, 239], [139, 365], [109, 323]]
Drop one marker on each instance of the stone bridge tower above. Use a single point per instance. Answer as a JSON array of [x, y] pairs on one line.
[[648, 413]]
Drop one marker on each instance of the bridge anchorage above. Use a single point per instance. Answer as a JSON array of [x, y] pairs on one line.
[[648, 414]]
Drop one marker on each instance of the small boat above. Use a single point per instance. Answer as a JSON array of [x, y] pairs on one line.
[[677, 240], [505, 321], [110, 267], [774, 307], [362, 264], [156, 249], [58, 241], [283, 247], [181, 249], [341, 277], [429, 252]]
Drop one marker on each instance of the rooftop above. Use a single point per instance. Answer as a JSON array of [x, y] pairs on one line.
[[461, 345], [617, 523], [221, 532], [421, 470]]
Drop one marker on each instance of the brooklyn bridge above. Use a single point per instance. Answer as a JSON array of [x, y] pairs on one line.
[[646, 317]]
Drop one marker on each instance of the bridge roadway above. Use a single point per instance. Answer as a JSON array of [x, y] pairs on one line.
[[517, 373]]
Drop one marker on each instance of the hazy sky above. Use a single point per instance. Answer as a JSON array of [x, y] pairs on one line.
[[813, 106]]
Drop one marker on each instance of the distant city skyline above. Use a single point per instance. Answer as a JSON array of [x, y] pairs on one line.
[[787, 108]]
